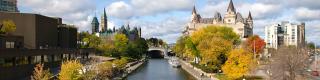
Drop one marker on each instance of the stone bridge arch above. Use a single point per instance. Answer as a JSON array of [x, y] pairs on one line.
[[157, 52]]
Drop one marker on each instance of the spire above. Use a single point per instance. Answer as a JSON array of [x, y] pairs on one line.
[[249, 16], [194, 11], [231, 7]]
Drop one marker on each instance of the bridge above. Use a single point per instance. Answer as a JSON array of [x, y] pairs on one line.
[[157, 52]]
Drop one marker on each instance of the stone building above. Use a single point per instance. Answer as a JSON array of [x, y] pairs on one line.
[[240, 25]]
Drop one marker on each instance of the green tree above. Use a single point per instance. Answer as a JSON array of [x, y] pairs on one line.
[[7, 26], [121, 42], [40, 74], [70, 70], [238, 64], [179, 47]]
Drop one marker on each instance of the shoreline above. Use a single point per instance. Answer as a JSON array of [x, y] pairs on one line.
[[194, 71]]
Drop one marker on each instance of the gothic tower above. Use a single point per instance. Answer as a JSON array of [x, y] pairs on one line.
[[249, 20], [95, 25], [230, 16], [195, 18], [104, 21]]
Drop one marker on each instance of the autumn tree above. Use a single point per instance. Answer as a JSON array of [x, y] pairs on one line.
[[7, 26], [255, 44], [40, 73], [121, 42], [239, 63], [90, 40], [179, 47], [214, 52], [213, 44], [70, 70], [288, 63], [215, 31]]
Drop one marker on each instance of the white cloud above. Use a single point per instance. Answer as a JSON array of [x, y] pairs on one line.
[[169, 29], [71, 11], [120, 9], [305, 14], [126, 10]]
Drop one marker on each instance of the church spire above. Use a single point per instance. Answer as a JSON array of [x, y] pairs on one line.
[[249, 16], [194, 11], [231, 7]]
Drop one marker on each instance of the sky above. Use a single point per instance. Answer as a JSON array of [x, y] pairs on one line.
[[165, 19]]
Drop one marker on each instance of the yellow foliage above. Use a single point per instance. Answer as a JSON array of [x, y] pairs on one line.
[[40, 74], [212, 48], [238, 64], [70, 70], [8, 26], [121, 63]]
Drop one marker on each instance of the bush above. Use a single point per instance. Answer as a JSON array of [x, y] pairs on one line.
[[207, 69], [70, 70]]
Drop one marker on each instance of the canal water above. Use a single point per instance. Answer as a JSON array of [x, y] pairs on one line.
[[159, 69]]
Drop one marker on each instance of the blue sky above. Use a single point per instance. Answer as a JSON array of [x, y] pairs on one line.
[[166, 19]]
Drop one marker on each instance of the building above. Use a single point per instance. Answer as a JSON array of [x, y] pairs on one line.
[[67, 36], [37, 30], [240, 25], [105, 33], [95, 25], [104, 22], [37, 39], [287, 34], [8, 6]]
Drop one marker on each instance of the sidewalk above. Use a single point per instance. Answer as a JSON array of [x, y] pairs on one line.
[[191, 70]]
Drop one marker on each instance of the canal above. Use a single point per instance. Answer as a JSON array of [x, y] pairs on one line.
[[159, 69]]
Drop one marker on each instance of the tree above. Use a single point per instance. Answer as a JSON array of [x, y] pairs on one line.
[[121, 42], [70, 70], [288, 63], [238, 64], [255, 44], [213, 44], [40, 74], [215, 31], [90, 40], [105, 71], [7, 26], [179, 47], [214, 52]]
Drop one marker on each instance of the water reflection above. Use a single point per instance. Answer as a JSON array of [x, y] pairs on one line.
[[159, 69]]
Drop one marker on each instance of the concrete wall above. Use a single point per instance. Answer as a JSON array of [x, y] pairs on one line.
[[36, 29], [25, 27]]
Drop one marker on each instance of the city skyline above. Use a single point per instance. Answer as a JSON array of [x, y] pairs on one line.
[[165, 19]]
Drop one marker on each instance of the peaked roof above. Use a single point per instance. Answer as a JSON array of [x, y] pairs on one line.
[[104, 13], [217, 16], [239, 18], [194, 9], [231, 7], [95, 20], [249, 16]]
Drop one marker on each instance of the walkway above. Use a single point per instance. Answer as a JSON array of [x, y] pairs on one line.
[[191, 70]]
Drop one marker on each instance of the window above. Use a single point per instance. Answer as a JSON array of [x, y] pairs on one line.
[[229, 20], [9, 44]]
